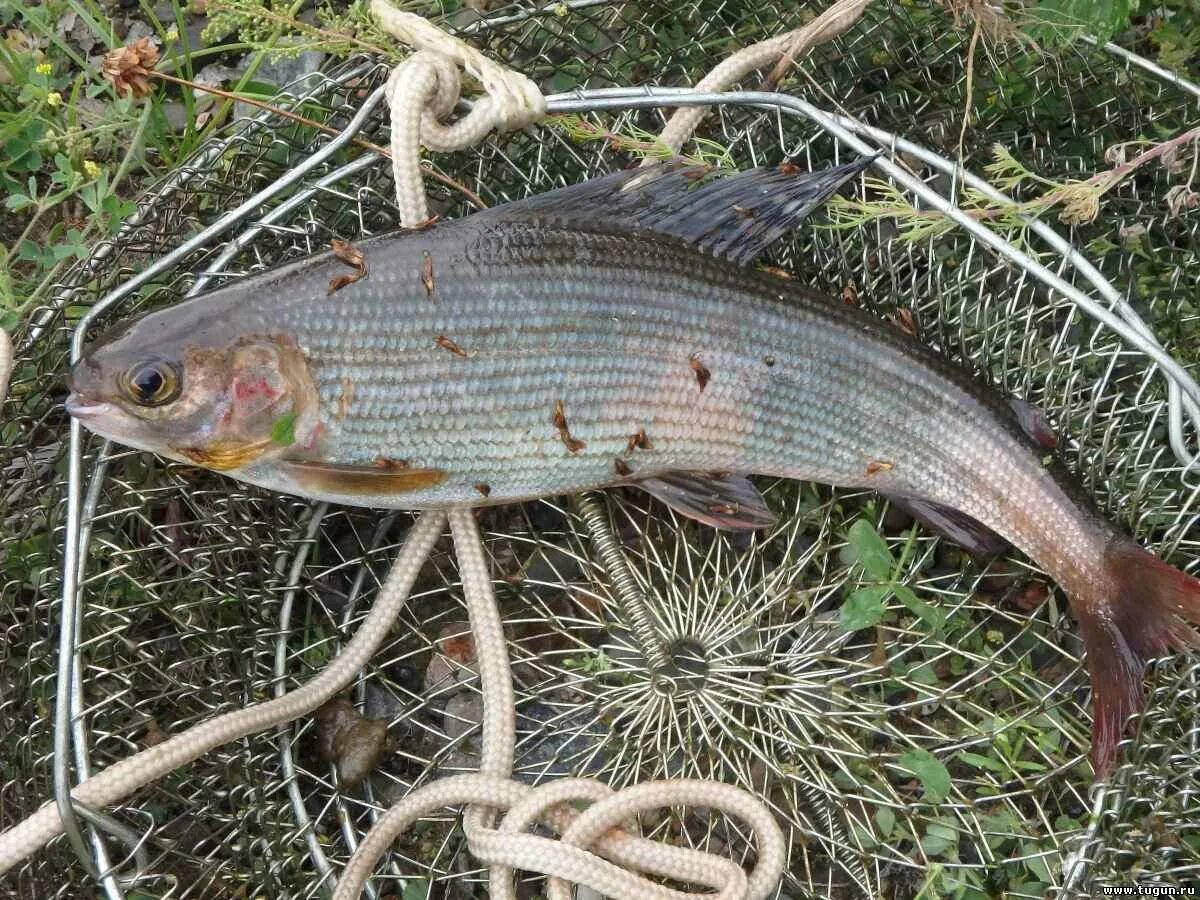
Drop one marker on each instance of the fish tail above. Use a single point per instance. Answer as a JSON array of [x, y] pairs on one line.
[[1149, 608]]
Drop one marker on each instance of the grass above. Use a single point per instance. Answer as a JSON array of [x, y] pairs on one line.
[[74, 154], [74, 151]]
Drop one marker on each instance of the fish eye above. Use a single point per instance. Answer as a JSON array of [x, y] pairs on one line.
[[152, 383]]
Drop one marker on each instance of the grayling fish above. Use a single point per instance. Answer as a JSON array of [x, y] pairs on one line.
[[611, 334]]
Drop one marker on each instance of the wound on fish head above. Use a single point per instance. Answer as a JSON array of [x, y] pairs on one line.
[[190, 388]]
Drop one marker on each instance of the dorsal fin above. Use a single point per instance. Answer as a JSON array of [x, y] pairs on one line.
[[736, 215]]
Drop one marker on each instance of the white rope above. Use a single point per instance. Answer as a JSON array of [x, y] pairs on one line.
[[828, 25], [123, 778], [425, 88], [592, 849], [6, 363]]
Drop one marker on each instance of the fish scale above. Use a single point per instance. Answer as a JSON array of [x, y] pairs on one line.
[[828, 406], [611, 303]]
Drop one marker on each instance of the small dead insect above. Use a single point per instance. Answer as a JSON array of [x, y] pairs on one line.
[[424, 224], [744, 212], [345, 397], [390, 465], [1030, 596], [446, 344], [905, 322], [850, 294], [483, 487], [769, 361], [876, 466], [787, 167], [427, 273], [638, 441], [622, 467], [778, 272], [703, 375], [351, 256], [564, 432]]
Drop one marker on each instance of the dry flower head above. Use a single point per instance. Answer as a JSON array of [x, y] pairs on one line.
[[129, 67]]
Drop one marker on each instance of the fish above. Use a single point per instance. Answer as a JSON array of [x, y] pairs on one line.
[[621, 332]]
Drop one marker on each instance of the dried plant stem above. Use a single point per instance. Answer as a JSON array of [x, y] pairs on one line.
[[1080, 199], [1117, 174], [291, 22], [471, 196], [969, 103]]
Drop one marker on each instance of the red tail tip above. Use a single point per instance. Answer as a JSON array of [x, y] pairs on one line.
[[1144, 614]]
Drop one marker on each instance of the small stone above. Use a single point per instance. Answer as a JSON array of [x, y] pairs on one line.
[[456, 641], [464, 712], [333, 718], [358, 750]]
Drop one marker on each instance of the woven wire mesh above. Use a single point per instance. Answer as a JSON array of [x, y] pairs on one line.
[[191, 607]]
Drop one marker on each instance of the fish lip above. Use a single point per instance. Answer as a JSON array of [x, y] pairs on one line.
[[80, 407]]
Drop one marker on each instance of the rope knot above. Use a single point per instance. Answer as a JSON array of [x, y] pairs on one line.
[[424, 89]]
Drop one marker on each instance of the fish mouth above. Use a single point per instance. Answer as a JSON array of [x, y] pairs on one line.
[[80, 407]]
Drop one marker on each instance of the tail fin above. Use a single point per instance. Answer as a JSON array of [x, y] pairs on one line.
[[1146, 614]]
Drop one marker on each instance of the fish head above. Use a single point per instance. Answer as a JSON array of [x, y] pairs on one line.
[[195, 388]]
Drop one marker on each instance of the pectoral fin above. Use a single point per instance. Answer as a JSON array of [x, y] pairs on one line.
[[225, 455], [364, 480], [721, 500]]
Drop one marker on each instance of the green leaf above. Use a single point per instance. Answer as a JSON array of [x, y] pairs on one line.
[[1000, 828], [935, 780], [283, 430], [863, 608], [1066, 823], [885, 821], [415, 889], [939, 837], [980, 762], [870, 550], [1063, 21], [17, 202], [930, 615], [865, 838], [1037, 865]]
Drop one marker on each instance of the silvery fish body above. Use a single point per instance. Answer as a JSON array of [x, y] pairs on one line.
[[550, 347]]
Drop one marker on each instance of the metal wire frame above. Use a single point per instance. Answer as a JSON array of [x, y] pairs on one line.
[[1150, 489]]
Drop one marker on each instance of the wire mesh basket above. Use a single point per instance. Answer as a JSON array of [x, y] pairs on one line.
[[199, 595]]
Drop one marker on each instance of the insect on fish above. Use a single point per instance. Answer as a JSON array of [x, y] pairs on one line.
[[620, 306]]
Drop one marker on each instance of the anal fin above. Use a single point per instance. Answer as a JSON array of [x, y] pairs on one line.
[[721, 500], [951, 524]]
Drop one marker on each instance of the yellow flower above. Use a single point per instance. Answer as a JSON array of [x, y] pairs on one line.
[[54, 98], [91, 169], [994, 636], [172, 34], [43, 68]]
